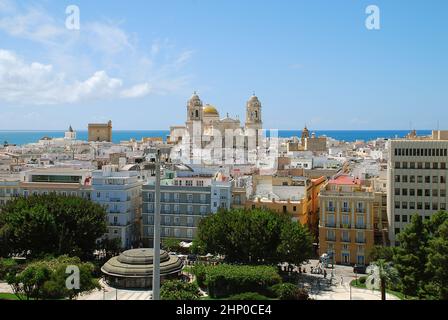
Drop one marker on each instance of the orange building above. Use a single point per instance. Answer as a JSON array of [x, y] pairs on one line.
[[295, 195], [346, 226]]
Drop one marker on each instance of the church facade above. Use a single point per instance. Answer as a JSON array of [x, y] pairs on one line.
[[217, 138]]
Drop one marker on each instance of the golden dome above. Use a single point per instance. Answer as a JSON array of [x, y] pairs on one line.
[[210, 110]]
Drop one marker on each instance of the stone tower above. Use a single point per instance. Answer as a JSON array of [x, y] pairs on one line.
[[194, 108], [253, 113]]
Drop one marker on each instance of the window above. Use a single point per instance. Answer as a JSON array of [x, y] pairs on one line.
[[412, 192], [176, 208], [397, 165], [405, 165], [397, 218], [435, 165], [419, 179], [412, 165], [397, 231], [190, 221], [419, 165], [435, 192], [190, 209], [419, 206], [190, 198], [189, 233], [397, 204], [443, 206], [427, 206], [176, 197], [397, 191], [412, 205], [419, 192], [167, 220], [404, 205], [203, 198], [203, 209], [177, 233], [405, 179], [427, 179], [397, 178], [404, 192], [166, 196], [167, 208], [435, 206], [404, 218], [435, 179], [412, 179], [189, 183], [427, 193], [199, 183], [443, 164], [427, 165], [442, 193]]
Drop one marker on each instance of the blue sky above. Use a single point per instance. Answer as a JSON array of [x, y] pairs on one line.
[[137, 63]]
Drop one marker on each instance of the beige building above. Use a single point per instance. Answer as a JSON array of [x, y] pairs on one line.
[[346, 226], [100, 132], [417, 176]]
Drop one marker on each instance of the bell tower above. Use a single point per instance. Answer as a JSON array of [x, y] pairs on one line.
[[194, 108], [253, 113]]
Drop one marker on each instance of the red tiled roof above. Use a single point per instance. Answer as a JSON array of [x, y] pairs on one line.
[[345, 180]]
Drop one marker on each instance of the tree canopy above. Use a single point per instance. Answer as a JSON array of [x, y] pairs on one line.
[[51, 224], [421, 259], [254, 237]]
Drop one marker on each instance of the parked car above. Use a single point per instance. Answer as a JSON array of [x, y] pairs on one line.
[[360, 269]]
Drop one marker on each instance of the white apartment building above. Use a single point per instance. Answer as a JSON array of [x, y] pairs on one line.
[[120, 193], [417, 179]]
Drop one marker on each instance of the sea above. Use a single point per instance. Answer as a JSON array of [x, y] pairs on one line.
[[19, 137]]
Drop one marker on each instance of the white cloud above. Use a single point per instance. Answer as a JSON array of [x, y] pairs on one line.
[[78, 63], [139, 90], [37, 83]]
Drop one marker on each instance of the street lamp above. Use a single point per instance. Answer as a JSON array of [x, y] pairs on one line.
[[156, 262]]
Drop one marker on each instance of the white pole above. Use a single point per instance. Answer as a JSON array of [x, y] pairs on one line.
[[156, 273]]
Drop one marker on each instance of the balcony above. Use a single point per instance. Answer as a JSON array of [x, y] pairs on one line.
[[361, 226], [343, 239], [345, 226], [360, 240], [333, 239], [114, 200], [345, 210], [330, 225], [330, 209]]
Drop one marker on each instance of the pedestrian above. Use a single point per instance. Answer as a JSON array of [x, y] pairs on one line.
[[325, 274]]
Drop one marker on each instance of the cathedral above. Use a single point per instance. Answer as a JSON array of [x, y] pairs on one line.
[[205, 127]]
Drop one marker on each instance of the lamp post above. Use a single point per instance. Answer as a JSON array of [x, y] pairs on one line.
[[156, 272]]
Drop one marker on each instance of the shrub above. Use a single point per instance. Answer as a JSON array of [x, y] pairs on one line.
[[225, 280], [200, 272], [178, 290], [289, 291], [248, 296], [362, 280], [7, 266]]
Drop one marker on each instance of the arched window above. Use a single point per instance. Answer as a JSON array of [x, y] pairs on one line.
[[197, 113], [256, 114]]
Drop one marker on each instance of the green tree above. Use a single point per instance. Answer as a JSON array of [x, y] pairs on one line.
[[381, 252], [52, 224], [254, 237], [46, 279], [179, 290], [171, 244], [387, 275], [437, 263], [411, 257]]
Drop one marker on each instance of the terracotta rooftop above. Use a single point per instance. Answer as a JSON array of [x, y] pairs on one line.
[[345, 180]]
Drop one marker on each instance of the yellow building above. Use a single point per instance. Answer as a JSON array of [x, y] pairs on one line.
[[346, 226], [294, 195], [100, 132]]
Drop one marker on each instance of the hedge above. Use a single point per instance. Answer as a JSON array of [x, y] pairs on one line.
[[225, 280], [248, 296]]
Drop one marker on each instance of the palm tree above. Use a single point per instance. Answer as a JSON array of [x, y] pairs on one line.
[[383, 274]]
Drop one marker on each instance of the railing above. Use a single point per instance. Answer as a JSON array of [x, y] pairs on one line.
[[330, 238], [330, 225], [345, 239], [360, 240], [330, 209], [345, 210], [345, 226], [361, 226], [114, 200]]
